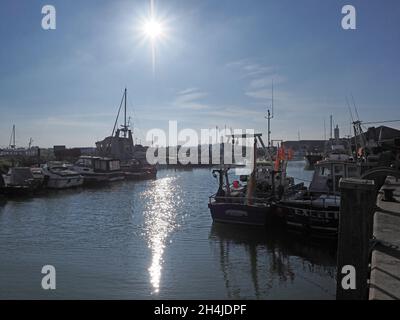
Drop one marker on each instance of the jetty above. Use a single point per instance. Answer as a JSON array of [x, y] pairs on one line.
[[385, 260], [369, 239]]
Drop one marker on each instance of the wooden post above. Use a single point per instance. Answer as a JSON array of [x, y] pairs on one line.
[[358, 201]]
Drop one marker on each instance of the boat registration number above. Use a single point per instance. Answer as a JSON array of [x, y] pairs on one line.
[[236, 213]]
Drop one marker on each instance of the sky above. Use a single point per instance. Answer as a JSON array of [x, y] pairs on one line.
[[214, 67]]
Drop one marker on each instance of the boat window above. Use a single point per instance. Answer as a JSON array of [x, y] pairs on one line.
[[323, 171], [352, 172], [114, 165], [338, 169], [84, 163]]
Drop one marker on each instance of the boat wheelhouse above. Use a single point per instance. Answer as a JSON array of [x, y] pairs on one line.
[[98, 169]]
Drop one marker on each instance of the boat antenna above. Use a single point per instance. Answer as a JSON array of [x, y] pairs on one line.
[[125, 127], [12, 138], [270, 115], [272, 93]]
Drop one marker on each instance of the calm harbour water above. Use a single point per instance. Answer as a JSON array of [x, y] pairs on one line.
[[154, 240]]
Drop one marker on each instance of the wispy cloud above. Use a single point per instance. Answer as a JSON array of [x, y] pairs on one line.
[[259, 77], [251, 69], [266, 81], [191, 99], [82, 121], [234, 112]]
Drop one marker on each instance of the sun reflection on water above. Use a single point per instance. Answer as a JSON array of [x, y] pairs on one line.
[[160, 220]]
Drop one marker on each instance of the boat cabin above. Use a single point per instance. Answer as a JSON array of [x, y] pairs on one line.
[[328, 173], [99, 164], [18, 176]]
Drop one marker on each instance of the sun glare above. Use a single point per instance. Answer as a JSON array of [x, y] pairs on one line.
[[153, 29]]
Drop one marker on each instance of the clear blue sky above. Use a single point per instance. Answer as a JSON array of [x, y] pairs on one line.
[[215, 68]]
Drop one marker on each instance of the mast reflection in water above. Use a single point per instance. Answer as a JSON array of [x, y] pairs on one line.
[[159, 221], [275, 257]]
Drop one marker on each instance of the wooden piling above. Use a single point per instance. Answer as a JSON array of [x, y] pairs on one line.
[[358, 201]]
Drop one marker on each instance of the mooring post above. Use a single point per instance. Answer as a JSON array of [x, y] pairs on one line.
[[357, 206]]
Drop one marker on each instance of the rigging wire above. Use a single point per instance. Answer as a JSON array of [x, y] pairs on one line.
[[119, 111]]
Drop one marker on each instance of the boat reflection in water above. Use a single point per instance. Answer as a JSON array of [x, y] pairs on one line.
[[276, 259], [159, 222]]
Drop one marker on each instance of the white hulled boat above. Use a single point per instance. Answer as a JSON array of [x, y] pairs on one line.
[[58, 175]]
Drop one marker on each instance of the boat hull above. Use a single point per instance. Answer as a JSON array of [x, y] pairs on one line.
[[96, 178], [17, 191], [65, 182], [237, 213], [311, 218]]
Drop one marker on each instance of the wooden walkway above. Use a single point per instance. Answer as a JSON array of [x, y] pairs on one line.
[[385, 263]]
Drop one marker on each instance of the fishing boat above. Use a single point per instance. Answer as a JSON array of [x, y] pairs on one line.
[[317, 208], [120, 145], [58, 175], [18, 181], [97, 170], [250, 200]]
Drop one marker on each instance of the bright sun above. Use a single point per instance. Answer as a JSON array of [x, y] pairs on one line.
[[153, 29]]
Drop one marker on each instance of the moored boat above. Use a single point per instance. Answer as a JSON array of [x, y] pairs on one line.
[[120, 145], [251, 200], [19, 181], [58, 175], [98, 169], [317, 208]]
